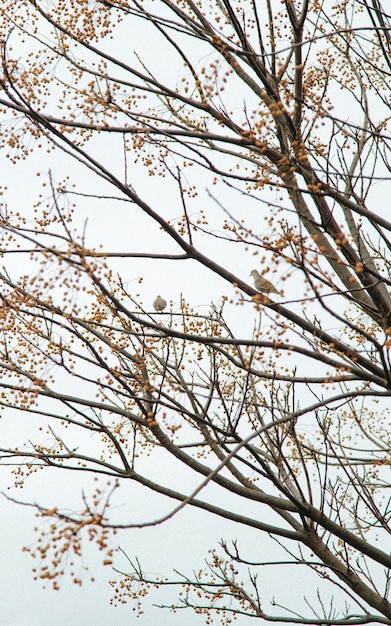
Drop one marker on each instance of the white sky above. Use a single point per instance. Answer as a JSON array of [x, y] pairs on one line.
[[182, 542]]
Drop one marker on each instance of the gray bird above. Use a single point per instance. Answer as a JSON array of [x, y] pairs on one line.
[[263, 285], [159, 304]]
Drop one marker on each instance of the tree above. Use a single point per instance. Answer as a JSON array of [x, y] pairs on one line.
[[265, 125]]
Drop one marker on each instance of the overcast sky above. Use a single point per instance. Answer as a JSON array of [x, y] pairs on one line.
[[182, 542]]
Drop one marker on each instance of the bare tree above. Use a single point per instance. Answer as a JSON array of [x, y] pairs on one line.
[[275, 116]]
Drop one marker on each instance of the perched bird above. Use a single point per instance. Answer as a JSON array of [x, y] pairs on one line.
[[263, 285], [159, 304]]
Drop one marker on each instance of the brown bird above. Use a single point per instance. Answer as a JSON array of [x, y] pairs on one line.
[[159, 304], [263, 285]]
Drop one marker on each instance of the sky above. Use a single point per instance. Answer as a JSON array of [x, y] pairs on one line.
[[183, 541]]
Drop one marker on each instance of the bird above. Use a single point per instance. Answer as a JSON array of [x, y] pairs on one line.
[[263, 285], [159, 304]]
